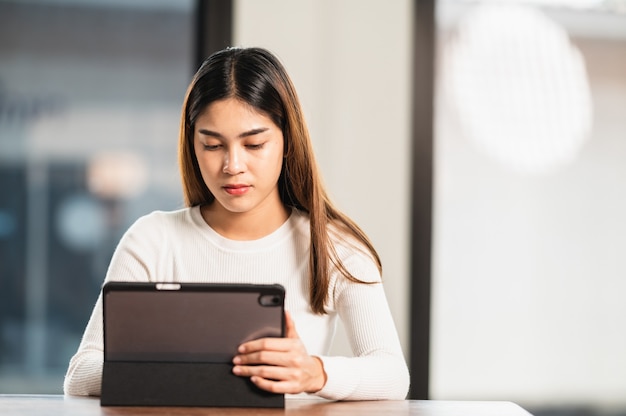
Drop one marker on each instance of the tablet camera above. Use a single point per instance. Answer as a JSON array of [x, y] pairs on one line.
[[270, 300]]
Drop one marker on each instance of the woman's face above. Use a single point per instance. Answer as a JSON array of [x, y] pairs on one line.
[[240, 154]]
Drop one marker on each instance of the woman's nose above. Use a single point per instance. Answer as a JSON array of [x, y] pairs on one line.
[[233, 162]]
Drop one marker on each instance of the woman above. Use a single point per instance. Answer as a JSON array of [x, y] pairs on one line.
[[257, 213]]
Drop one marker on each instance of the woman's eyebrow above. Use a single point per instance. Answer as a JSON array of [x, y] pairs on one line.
[[248, 133], [252, 132], [211, 133]]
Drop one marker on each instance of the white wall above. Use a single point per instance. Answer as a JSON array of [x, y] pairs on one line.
[[350, 62]]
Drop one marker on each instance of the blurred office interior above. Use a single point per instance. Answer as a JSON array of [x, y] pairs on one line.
[[527, 299]]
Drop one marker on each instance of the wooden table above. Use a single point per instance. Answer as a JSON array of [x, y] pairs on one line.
[[29, 405]]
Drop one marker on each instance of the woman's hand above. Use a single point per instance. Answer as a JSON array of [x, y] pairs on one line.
[[280, 365]]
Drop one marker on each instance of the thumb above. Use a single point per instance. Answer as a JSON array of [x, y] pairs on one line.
[[290, 327]]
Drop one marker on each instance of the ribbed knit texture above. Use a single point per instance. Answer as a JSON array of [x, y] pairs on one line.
[[179, 246]]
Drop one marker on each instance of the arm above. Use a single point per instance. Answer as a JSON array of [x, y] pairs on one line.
[[378, 370], [129, 263], [85, 368]]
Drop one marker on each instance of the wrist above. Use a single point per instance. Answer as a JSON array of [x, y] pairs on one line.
[[319, 375]]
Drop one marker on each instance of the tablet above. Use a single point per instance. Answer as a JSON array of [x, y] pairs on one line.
[[172, 344]]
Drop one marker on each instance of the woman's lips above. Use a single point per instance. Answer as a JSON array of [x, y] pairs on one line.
[[238, 189]]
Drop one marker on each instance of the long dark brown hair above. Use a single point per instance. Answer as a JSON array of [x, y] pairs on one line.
[[256, 77]]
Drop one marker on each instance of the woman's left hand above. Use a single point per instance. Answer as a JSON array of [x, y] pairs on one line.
[[280, 365]]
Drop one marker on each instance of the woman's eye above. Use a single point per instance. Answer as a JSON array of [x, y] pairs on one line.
[[255, 146], [211, 146]]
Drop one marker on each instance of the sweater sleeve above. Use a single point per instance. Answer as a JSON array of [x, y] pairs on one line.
[[134, 260], [378, 370], [83, 377]]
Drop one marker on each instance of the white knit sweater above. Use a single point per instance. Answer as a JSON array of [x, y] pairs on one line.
[[179, 246]]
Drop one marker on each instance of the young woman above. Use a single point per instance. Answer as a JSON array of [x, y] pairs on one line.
[[257, 212]]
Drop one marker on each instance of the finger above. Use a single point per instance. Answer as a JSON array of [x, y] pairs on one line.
[[268, 344], [286, 381], [269, 372], [264, 357], [290, 327], [282, 387]]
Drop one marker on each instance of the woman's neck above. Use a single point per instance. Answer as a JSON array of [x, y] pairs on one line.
[[251, 225]]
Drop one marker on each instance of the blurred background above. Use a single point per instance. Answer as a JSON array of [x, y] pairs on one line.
[[527, 119]]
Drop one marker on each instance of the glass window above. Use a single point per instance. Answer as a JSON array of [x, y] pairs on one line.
[[528, 299], [90, 98]]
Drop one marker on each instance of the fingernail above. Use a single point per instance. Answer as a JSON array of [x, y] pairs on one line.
[[236, 360], [237, 370]]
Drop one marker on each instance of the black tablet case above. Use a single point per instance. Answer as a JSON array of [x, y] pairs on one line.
[[172, 344]]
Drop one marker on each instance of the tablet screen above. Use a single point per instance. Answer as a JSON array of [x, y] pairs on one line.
[[188, 323]]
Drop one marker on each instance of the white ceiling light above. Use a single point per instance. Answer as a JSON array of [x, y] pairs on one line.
[[519, 86]]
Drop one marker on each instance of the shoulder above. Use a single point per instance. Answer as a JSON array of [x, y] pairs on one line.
[[179, 216], [158, 223], [300, 223], [353, 254], [350, 251], [348, 245]]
